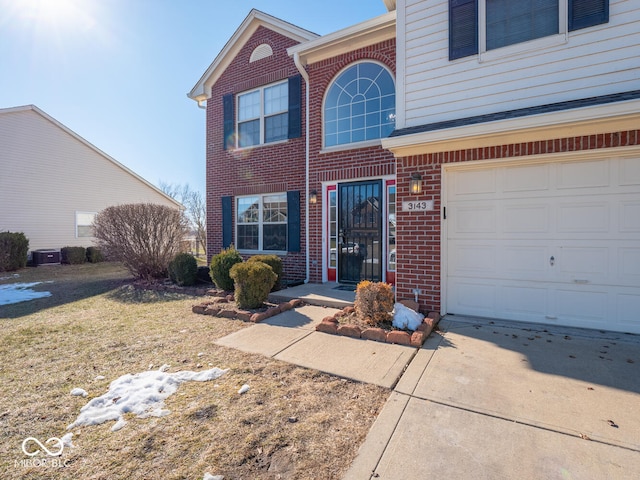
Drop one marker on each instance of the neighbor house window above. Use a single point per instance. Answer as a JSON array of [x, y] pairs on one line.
[[478, 26], [84, 224], [262, 222], [360, 105], [263, 115]]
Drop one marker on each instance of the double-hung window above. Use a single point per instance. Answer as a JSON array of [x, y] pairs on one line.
[[480, 26], [263, 115], [262, 222], [84, 224]]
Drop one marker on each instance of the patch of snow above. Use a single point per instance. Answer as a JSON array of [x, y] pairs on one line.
[[404, 317], [142, 394], [208, 476], [164, 368], [78, 392], [66, 440], [99, 377], [243, 389], [15, 275], [20, 292]]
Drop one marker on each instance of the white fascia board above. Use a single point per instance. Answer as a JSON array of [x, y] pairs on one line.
[[254, 20], [618, 116], [348, 39]]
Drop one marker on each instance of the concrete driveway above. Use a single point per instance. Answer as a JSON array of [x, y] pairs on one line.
[[499, 400]]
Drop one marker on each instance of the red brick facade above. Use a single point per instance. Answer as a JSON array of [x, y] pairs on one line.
[[278, 167], [418, 237], [342, 165]]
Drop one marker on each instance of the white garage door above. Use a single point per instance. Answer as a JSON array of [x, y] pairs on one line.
[[556, 243]]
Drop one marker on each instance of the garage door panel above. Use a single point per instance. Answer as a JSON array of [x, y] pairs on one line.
[[503, 232], [583, 175]]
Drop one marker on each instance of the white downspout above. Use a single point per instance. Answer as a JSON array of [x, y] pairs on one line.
[[305, 75]]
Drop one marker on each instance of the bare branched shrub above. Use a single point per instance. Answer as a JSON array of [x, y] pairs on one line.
[[145, 237], [374, 302]]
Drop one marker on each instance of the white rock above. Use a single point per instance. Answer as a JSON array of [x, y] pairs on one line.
[[243, 389]]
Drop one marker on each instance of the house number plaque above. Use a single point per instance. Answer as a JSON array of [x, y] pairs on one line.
[[421, 206]]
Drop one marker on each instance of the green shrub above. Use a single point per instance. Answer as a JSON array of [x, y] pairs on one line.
[[94, 255], [275, 262], [14, 248], [374, 302], [253, 282], [73, 255], [183, 269], [221, 265]]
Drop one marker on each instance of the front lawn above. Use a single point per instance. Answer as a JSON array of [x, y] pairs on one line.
[[292, 423]]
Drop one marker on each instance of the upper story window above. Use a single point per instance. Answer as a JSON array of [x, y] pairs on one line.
[[360, 105], [479, 26], [263, 115]]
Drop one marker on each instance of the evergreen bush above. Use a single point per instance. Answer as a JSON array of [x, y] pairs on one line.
[[73, 255], [253, 282], [94, 255], [275, 262], [221, 264], [14, 247], [183, 269], [374, 302]]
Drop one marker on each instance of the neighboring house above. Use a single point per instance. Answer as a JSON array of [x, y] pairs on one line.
[[53, 182], [481, 156]]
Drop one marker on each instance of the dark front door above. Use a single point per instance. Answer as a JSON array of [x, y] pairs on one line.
[[360, 231]]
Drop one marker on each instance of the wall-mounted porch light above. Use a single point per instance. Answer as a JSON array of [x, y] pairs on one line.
[[415, 185], [313, 197]]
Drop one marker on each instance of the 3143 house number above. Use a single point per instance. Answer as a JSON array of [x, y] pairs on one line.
[[421, 206]]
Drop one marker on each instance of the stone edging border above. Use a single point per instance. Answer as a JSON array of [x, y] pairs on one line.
[[332, 325], [212, 308]]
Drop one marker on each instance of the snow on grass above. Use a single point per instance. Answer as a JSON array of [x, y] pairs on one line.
[[79, 392], [142, 394], [20, 292]]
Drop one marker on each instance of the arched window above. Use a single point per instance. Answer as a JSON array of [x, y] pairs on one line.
[[360, 105]]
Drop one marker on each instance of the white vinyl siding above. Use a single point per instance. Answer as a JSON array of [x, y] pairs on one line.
[[47, 175], [594, 61]]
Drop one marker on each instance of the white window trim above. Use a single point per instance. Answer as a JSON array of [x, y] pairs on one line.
[[80, 212], [364, 143], [261, 118], [260, 224], [524, 47]]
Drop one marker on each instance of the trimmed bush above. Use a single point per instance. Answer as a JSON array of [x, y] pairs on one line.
[[374, 302], [145, 237], [275, 262], [253, 282], [73, 255], [221, 264], [94, 255], [14, 248], [183, 269]]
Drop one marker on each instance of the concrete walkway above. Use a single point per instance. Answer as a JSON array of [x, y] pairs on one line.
[[481, 399]]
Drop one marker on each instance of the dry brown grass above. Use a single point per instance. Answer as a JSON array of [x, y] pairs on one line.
[[294, 423]]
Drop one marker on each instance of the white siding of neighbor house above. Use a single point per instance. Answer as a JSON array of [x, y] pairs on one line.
[[595, 61], [47, 175]]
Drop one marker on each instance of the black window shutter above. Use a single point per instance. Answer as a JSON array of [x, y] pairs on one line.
[[293, 221], [295, 110], [227, 103], [463, 28], [587, 13], [227, 222]]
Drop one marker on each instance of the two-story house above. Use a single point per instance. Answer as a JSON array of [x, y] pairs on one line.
[[482, 155]]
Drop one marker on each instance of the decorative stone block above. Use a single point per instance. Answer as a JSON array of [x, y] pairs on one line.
[[377, 334], [418, 338], [296, 302], [412, 304], [199, 309], [349, 331], [327, 327], [435, 315], [227, 314], [330, 320], [285, 306], [243, 315], [349, 310], [399, 337], [211, 310]]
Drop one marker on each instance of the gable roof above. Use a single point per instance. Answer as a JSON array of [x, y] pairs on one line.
[[33, 108], [201, 90]]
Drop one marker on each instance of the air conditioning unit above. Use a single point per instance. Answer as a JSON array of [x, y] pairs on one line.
[[45, 257]]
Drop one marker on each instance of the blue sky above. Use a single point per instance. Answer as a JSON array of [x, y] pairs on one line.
[[117, 71]]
